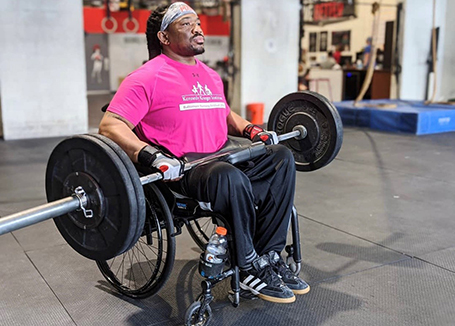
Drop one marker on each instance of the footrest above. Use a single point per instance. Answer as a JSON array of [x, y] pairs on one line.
[[245, 294]]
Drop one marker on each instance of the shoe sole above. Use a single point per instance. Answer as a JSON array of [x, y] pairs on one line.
[[302, 291], [276, 300], [267, 297]]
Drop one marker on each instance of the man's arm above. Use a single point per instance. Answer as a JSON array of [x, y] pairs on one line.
[[236, 124], [366, 58], [120, 131]]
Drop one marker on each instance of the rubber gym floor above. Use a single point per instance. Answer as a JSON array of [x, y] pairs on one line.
[[377, 228]]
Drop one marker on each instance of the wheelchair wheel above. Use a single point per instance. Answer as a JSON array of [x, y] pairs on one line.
[[200, 230], [192, 315], [144, 269]]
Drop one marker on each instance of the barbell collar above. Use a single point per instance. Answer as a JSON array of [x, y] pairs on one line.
[[303, 132], [38, 214]]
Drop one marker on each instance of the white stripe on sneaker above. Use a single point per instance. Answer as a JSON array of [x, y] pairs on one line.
[[253, 284], [248, 279], [260, 287], [256, 281]]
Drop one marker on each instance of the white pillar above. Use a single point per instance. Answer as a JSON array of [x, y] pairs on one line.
[[446, 89], [417, 45], [269, 51], [42, 69]]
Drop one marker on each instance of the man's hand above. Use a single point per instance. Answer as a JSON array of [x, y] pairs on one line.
[[256, 133], [170, 167]]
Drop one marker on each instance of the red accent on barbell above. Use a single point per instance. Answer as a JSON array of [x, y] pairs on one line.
[[163, 168], [264, 137]]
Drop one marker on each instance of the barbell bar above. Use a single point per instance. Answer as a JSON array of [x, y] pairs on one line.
[[78, 200], [38, 214], [96, 196], [245, 153]]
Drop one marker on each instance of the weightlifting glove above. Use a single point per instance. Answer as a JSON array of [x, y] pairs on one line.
[[256, 133], [170, 167]]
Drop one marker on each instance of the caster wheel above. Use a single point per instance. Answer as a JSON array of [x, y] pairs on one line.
[[192, 315]]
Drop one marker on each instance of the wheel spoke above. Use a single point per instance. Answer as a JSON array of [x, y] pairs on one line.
[[147, 265]]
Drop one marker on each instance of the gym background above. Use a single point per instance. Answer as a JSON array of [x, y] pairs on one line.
[[376, 225], [60, 61]]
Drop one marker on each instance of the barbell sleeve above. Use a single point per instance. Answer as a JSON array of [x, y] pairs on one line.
[[289, 135], [38, 214]]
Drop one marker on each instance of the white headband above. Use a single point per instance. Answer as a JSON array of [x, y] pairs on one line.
[[174, 12]]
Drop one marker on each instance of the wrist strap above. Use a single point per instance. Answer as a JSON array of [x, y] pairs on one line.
[[147, 155], [251, 131]]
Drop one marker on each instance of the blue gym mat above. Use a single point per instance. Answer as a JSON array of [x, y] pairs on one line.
[[408, 116]]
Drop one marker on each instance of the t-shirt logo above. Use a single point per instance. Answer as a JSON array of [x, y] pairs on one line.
[[199, 90], [202, 98]]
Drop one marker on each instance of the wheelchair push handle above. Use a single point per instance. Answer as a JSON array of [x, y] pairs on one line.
[[242, 154]]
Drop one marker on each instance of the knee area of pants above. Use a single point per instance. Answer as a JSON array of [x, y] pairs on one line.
[[281, 152], [227, 172]]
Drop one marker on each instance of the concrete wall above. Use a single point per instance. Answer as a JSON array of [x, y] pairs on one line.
[[42, 69], [417, 45], [269, 51], [126, 54]]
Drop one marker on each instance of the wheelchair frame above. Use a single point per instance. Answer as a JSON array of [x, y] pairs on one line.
[[166, 215]]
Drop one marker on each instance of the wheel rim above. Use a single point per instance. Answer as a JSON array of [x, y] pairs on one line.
[[191, 318], [144, 269]]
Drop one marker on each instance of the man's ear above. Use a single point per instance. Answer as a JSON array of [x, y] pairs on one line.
[[163, 37]]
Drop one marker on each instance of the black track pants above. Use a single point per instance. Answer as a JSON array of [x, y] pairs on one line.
[[256, 198]]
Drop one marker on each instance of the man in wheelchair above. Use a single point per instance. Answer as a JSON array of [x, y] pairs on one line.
[[176, 106]]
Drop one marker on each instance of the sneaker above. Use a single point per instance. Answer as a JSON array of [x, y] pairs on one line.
[[295, 283], [262, 281]]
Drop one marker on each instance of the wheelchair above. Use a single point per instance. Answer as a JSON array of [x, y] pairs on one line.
[[143, 270]]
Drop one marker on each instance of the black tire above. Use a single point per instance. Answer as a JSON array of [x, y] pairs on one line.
[[200, 230], [145, 268], [191, 315]]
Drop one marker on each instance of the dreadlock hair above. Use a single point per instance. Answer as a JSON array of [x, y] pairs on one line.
[[153, 27]]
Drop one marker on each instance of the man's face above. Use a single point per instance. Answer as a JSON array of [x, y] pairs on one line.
[[186, 36]]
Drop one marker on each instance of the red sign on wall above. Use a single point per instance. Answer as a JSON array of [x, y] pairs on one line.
[[327, 11]]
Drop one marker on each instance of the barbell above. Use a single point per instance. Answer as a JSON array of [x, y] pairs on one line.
[[95, 194]]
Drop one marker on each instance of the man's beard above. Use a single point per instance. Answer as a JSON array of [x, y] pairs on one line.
[[198, 51]]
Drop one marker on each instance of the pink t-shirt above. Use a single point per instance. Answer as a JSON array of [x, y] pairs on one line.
[[180, 107]]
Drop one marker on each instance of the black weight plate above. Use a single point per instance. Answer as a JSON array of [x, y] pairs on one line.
[[139, 190], [322, 122], [88, 160]]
